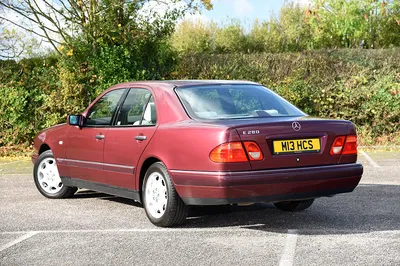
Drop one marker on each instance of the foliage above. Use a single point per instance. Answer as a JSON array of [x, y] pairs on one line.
[[287, 32], [23, 99], [193, 37], [230, 38], [369, 23], [322, 24], [201, 37]]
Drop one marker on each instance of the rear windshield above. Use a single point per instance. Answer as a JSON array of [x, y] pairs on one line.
[[234, 101]]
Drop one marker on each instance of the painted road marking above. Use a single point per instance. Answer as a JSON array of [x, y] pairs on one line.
[[369, 159], [135, 230], [190, 230], [18, 240], [289, 248]]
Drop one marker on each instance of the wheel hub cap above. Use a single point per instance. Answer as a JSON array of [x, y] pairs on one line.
[[48, 176], [156, 195]]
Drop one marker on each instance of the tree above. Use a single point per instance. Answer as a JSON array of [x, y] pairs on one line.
[[344, 23], [14, 44], [289, 31], [8, 45], [194, 37], [98, 21], [231, 38]]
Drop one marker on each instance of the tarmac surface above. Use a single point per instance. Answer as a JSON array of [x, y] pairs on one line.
[[358, 228]]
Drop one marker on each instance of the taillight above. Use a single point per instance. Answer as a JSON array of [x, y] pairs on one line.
[[234, 152], [231, 152], [253, 151], [337, 145], [350, 147], [344, 145]]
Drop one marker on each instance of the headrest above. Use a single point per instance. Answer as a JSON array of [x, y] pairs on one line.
[[150, 113]]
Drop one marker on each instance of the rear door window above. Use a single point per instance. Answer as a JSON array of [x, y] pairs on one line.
[[137, 109]]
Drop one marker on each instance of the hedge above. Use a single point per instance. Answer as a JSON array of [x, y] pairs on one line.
[[362, 86], [359, 85]]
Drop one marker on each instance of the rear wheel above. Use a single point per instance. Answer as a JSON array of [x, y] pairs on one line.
[[293, 206], [161, 202], [47, 179]]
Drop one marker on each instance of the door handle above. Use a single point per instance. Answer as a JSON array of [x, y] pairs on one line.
[[99, 137], [140, 137]]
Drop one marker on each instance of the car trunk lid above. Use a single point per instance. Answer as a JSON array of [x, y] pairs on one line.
[[292, 141]]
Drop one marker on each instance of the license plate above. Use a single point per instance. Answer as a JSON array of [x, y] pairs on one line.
[[296, 146]]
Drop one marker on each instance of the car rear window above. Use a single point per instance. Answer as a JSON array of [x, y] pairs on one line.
[[234, 101]]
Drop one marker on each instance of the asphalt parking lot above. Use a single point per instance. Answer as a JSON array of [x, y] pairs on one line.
[[359, 228]]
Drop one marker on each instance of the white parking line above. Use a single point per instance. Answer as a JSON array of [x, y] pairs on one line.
[[135, 230], [369, 159], [193, 230], [18, 240], [289, 249]]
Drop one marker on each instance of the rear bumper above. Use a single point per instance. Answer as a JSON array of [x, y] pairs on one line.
[[218, 188]]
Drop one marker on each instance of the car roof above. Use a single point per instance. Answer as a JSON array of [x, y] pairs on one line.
[[190, 82], [193, 82]]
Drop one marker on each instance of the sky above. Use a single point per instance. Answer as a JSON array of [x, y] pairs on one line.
[[245, 10]]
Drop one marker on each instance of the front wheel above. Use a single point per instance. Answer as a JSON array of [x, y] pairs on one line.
[[47, 179], [161, 202], [293, 206]]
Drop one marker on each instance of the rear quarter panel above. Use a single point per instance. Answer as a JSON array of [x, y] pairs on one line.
[[187, 146]]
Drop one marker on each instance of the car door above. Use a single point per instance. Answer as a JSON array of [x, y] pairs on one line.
[[134, 127], [85, 145]]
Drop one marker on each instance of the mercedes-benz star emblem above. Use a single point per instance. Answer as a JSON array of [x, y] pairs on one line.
[[296, 126]]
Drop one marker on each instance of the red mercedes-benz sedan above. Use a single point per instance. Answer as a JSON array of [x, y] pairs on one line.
[[172, 144]]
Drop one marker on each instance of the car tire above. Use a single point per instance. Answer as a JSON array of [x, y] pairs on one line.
[[294, 206], [47, 178], [161, 202]]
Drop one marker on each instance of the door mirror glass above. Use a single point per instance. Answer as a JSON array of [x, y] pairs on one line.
[[75, 120]]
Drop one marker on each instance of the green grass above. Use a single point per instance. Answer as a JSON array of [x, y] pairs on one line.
[[15, 165]]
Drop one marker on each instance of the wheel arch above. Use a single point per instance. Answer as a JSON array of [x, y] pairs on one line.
[[143, 169], [44, 147]]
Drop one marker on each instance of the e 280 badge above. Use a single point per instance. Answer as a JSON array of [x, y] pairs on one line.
[[251, 132]]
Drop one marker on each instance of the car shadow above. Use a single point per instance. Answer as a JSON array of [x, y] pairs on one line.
[[367, 209], [86, 194]]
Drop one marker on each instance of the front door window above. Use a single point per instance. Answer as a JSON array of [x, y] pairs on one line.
[[102, 111]]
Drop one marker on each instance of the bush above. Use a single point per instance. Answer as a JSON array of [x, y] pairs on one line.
[[23, 104]]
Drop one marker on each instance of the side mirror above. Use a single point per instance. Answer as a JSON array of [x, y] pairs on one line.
[[76, 120]]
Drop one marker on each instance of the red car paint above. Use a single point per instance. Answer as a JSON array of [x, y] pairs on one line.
[[183, 144]]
